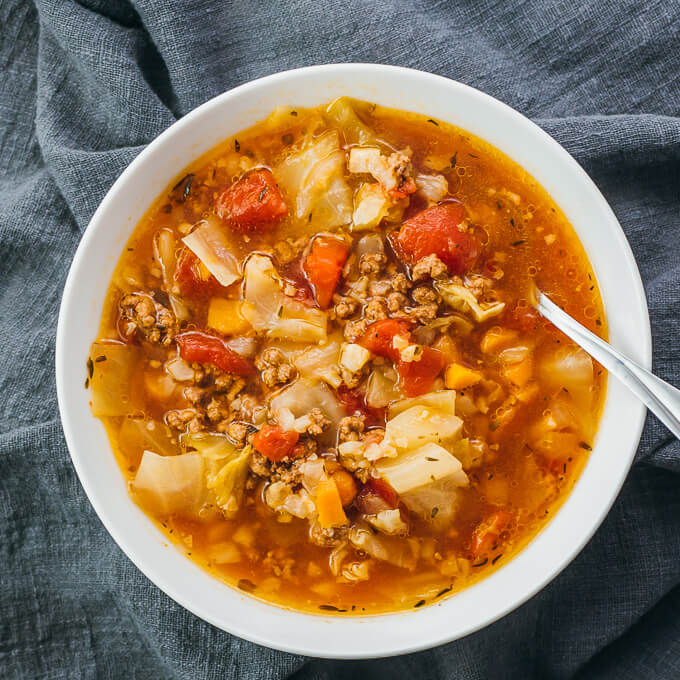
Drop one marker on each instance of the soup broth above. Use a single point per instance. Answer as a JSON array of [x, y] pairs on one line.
[[319, 366]]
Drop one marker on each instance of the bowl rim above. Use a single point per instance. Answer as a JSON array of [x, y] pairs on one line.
[[635, 416]]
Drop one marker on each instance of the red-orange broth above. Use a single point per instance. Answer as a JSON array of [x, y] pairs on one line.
[[514, 402]]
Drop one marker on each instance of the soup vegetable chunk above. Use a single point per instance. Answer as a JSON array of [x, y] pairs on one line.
[[320, 370]]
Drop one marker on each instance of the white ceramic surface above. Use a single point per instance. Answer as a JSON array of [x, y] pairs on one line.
[[520, 578]]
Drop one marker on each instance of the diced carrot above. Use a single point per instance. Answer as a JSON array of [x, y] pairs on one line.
[[520, 373], [323, 266], [329, 505], [225, 317], [458, 377], [347, 487]]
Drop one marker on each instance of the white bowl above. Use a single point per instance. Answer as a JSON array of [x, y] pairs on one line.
[[545, 556]]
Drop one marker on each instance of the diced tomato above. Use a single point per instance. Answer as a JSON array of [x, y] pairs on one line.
[[416, 377], [323, 266], [435, 231], [192, 277], [384, 490], [209, 349], [378, 337], [252, 202], [275, 443], [407, 187], [486, 535], [353, 400]]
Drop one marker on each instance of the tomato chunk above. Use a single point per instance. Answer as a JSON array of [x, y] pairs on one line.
[[353, 400], [193, 278], [379, 335], [209, 349], [486, 535], [275, 443], [323, 267], [252, 202], [522, 318], [416, 377], [435, 231]]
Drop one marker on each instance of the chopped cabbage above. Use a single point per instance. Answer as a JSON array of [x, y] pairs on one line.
[[420, 425], [426, 478], [462, 300], [167, 485], [314, 179], [389, 522], [151, 434], [570, 368], [443, 400], [210, 245], [390, 549], [420, 467], [381, 387], [111, 379], [304, 395], [267, 309], [226, 468], [371, 205], [433, 188], [320, 362], [342, 113]]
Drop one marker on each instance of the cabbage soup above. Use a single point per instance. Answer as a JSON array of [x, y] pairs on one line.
[[320, 370]]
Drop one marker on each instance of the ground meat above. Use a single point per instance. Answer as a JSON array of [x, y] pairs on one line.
[[259, 465], [276, 370], [424, 313], [344, 306], [279, 562], [478, 285], [375, 310], [351, 428], [372, 263], [195, 395], [140, 312], [380, 288], [317, 422], [188, 419], [430, 266], [424, 295], [238, 432], [400, 283], [353, 330], [217, 411], [396, 302], [327, 538], [247, 405]]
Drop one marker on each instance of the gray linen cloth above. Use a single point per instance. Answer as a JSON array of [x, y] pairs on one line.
[[85, 85]]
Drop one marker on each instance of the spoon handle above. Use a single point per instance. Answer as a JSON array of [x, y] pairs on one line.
[[658, 396]]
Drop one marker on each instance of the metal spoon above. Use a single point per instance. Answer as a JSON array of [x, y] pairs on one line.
[[662, 399]]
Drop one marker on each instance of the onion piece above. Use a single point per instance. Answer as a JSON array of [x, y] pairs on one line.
[[210, 245], [245, 346], [433, 188], [180, 369], [304, 395]]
